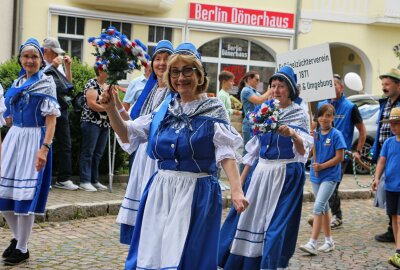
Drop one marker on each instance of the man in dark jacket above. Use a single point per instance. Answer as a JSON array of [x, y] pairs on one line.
[[53, 55], [391, 89]]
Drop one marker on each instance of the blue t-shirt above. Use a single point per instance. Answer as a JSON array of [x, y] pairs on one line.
[[325, 148], [391, 151], [134, 90], [246, 93]]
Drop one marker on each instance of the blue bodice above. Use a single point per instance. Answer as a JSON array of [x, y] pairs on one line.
[[275, 146], [190, 148], [26, 111]]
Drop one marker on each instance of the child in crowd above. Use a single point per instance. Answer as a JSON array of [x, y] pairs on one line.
[[325, 174], [226, 81], [388, 160]]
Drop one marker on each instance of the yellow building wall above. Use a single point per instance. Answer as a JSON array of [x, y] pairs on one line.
[[376, 42]]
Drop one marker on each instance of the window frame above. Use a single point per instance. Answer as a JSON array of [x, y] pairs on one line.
[[122, 23], [231, 61], [74, 36]]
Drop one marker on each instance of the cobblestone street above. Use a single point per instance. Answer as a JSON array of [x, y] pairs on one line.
[[94, 243]]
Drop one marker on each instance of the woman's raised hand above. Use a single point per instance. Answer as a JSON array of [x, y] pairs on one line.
[[107, 98]]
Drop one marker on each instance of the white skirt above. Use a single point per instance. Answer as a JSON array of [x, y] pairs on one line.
[[143, 167], [18, 173], [263, 195]]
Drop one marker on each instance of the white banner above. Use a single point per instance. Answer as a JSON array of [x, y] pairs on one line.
[[313, 68]]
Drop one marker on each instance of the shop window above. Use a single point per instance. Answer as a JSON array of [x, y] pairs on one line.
[[234, 48], [71, 31], [238, 71], [212, 68], [265, 74], [157, 33], [237, 56], [260, 54], [124, 28], [210, 49]]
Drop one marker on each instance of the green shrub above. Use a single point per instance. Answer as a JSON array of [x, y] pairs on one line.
[[9, 71]]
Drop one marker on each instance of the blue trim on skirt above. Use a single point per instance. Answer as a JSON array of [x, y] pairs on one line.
[[201, 244], [281, 236]]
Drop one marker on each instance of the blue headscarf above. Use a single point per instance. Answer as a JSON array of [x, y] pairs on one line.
[[286, 73], [187, 48], [35, 82], [31, 42], [162, 46]]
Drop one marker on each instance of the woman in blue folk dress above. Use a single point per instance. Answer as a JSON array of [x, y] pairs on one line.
[[143, 167], [32, 109], [180, 211], [264, 236]]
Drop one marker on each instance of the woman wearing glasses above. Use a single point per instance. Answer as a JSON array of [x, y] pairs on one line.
[[180, 211]]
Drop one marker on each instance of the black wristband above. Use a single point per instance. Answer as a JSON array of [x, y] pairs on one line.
[[48, 146]]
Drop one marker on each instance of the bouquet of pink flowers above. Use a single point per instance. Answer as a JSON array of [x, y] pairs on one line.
[[117, 55], [265, 117]]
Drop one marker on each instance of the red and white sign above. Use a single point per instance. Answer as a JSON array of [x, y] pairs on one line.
[[244, 16]]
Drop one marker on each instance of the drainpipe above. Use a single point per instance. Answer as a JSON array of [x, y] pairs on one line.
[[14, 27], [296, 25], [20, 21]]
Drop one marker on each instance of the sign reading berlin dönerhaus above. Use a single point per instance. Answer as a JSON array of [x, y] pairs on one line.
[[244, 16], [314, 71]]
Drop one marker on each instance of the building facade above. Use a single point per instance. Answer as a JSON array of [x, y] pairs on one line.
[[231, 34]]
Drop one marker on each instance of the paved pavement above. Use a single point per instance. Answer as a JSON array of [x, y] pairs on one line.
[[93, 243], [66, 205]]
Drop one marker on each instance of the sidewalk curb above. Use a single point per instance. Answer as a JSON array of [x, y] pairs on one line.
[[65, 212]]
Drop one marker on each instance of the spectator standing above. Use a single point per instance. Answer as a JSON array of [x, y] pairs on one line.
[[94, 130], [226, 81], [388, 161], [391, 90], [347, 116], [135, 88], [53, 56]]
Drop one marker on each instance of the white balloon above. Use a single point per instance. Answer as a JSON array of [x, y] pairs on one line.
[[353, 81]]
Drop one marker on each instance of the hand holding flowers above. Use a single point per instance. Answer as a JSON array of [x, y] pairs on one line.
[[265, 117]]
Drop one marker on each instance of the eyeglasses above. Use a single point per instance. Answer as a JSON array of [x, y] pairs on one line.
[[187, 72]]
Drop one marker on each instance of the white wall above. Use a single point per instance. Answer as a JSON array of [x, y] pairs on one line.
[[6, 22]]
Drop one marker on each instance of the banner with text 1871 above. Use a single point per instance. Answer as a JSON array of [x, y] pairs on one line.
[[313, 67]]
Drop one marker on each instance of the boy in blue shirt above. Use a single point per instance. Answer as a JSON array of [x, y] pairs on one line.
[[388, 160]]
